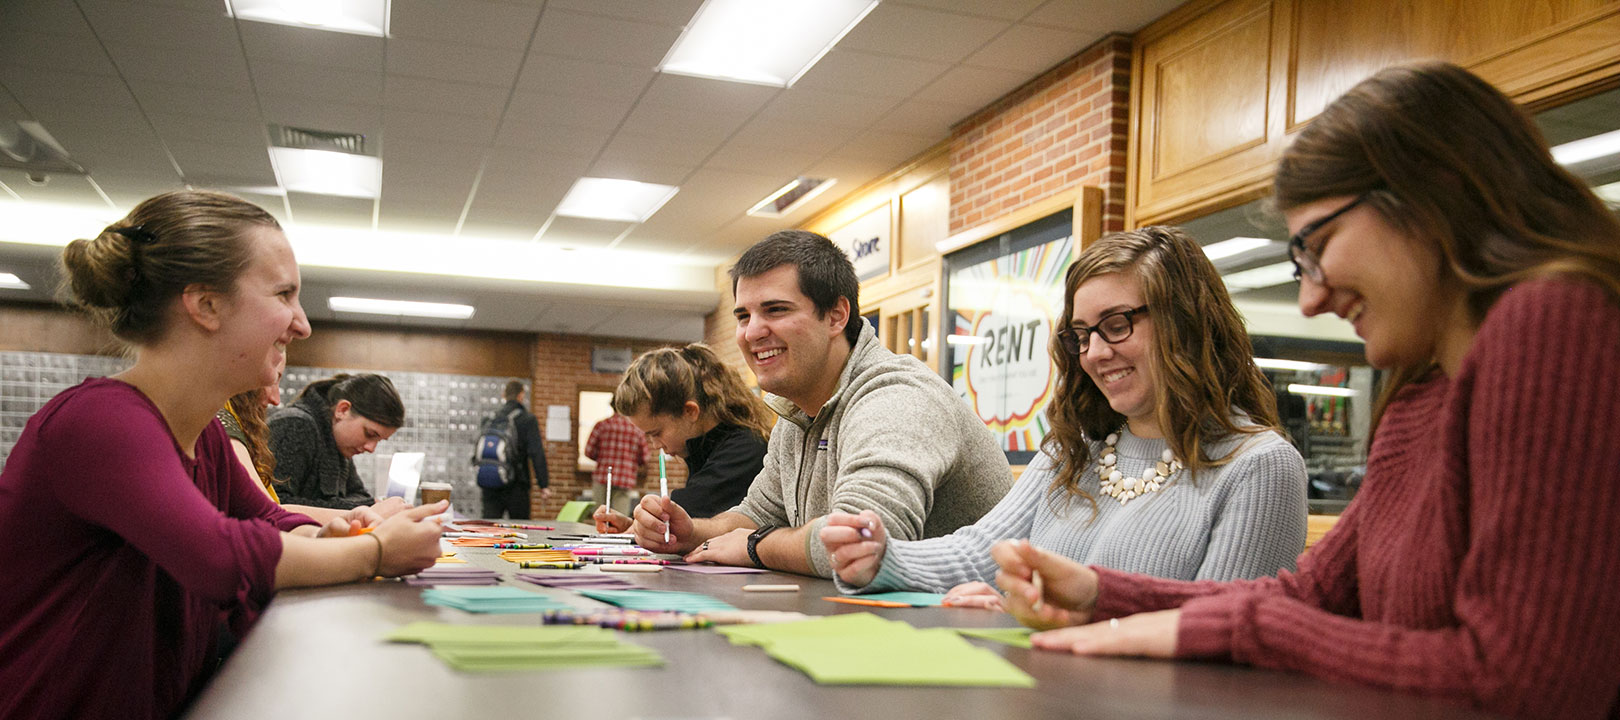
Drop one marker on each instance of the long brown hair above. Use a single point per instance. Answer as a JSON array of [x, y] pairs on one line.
[[126, 276], [662, 381], [1449, 160], [250, 411], [1202, 358]]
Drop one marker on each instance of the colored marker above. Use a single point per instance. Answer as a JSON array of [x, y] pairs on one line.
[[609, 495], [770, 588], [663, 486], [607, 550], [521, 546], [538, 564]]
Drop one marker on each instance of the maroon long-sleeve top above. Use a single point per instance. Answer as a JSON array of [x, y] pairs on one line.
[[121, 556], [1481, 560]]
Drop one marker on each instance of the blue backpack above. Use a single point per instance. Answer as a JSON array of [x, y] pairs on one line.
[[495, 452]]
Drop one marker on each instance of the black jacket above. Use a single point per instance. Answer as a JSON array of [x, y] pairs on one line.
[[309, 468], [722, 463]]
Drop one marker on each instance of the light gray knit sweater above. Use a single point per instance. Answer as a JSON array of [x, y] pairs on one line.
[[1244, 519], [894, 439]]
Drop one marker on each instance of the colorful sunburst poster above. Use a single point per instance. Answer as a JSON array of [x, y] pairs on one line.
[[1002, 313]]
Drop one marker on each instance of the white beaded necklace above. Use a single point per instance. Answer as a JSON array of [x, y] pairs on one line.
[[1116, 485]]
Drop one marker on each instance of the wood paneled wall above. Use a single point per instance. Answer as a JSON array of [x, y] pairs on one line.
[[462, 352], [1219, 86]]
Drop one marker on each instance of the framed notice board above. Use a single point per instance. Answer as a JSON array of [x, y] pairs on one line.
[[1003, 299]]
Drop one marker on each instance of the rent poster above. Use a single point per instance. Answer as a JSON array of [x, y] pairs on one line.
[[1002, 315]]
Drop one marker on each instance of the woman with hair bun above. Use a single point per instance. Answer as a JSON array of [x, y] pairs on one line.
[[1477, 562], [316, 438], [694, 407], [142, 530]]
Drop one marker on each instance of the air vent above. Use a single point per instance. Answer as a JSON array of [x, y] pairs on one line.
[[307, 139]]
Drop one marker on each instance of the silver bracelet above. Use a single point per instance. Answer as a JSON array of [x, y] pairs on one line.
[[378, 570]]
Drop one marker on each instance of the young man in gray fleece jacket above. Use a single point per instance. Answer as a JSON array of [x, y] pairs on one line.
[[861, 428]]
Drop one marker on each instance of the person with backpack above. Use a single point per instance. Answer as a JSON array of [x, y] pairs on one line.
[[509, 446]]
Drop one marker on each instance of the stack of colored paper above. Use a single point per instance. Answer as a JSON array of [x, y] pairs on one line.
[[455, 576], [576, 581], [482, 648], [891, 599], [491, 600], [864, 649], [1016, 637], [657, 600]]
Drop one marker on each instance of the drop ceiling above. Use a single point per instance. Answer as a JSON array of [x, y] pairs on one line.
[[485, 114]]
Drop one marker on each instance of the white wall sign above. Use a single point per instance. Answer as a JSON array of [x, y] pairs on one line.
[[866, 240], [610, 360]]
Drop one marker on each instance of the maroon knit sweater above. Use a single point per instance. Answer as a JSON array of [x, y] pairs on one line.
[[1481, 560]]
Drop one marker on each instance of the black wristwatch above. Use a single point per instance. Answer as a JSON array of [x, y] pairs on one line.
[[753, 544]]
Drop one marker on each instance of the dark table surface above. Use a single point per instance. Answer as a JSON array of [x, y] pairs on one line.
[[319, 653]]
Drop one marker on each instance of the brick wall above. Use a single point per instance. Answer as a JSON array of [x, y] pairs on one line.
[[1065, 129], [562, 368]]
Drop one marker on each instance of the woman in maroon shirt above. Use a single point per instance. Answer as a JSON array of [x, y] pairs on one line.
[[1477, 563], [128, 528]]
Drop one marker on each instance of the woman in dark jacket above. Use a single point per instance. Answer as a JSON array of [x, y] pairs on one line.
[[316, 438]]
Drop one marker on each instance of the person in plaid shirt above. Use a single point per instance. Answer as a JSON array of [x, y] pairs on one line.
[[616, 443]]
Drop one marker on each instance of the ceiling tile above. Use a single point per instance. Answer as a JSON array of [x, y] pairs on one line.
[[127, 191], [527, 178], [47, 16], [314, 81], [126, 26], [784, 162], [799, 136], [860, 73], [921, 33], [629, 147], [530, 135], [1030, 49], [1008, 9], [315, 114], [454, 62], [403, 216], [695, 127], [1098, 17], [973, 87], [180, 128], [583, 232], [432, 161], [199, 68], [60, 189], [691, 93], [666, 12], [247, 164], [415, 125], [88, 130], [594, 37], [340, 51], [640, 169], [29, 84], [805, 105], [464, 21], [500, 228], [311, 209], [414, 93], [78, 53], [566, 111], [893, 147], [558, 75], [172, 98], [924, 118]]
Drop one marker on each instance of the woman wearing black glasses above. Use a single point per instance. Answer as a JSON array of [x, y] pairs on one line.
[[1477, 562], [1163, 457]]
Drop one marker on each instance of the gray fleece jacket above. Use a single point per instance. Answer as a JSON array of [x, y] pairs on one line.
[[894, 439]]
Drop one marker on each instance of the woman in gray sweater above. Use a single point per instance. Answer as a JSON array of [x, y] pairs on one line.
[[1163, 456]]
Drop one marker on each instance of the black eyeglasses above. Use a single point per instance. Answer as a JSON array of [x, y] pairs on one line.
[[1114, 328], [1307, 263]]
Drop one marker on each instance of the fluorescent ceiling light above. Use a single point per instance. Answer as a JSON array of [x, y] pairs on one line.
[[324, 172], [764, 42], [791, 196], [1234, 246], [1321, 390], [12, 282], [1296, 365], [400, 307], [358, 17], [1261, 277], [1586, 149], [610, 199]]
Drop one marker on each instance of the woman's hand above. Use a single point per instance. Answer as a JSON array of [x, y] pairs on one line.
[[409, 540], [975, 595], [388, 507], [1065, 594], [610, 521], [663, 526], [1150, 634], [856, 544]]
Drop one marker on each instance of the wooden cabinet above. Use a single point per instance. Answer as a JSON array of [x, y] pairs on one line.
[[1219, 86]]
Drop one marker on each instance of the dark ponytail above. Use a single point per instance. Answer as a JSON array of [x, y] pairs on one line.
[[373, 396]]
